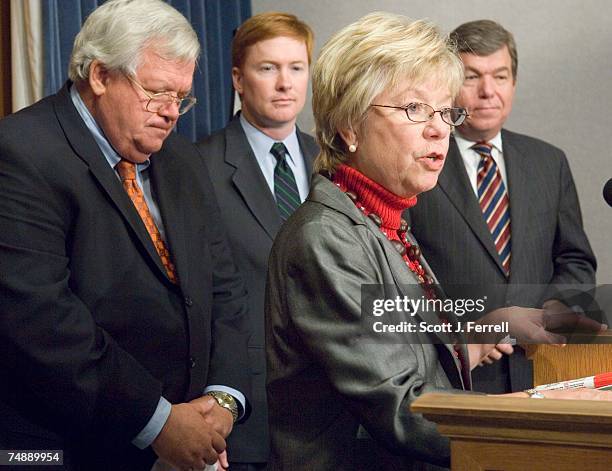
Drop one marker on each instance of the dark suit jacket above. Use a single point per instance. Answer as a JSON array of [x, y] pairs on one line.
[[251, 218], [327, 372], [549, 245], [92, 332]]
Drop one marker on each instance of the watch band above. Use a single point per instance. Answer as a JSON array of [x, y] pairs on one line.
[[226, 401]]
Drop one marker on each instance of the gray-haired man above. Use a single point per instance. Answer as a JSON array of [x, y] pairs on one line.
[[121, 314]]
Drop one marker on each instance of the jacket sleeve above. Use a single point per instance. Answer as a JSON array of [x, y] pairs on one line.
[[320, 278], [574, 261], [230, 325]]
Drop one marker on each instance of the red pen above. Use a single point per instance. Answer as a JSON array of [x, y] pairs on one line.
[[600, 381]]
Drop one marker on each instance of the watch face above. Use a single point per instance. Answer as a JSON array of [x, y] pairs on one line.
[[226, 401]]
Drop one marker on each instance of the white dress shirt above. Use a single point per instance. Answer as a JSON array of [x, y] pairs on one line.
[[261, 144]]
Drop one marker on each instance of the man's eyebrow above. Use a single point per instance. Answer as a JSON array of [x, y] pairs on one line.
[[469, 68], [505, 68]]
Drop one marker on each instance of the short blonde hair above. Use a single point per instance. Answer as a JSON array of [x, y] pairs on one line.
[[373, 54]]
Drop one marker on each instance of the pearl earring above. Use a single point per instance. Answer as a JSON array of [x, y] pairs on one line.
[[352, 148]]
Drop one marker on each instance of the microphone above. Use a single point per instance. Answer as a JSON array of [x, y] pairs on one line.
[[607, 192]]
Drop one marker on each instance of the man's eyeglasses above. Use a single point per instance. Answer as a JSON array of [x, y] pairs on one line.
[[158, 101], [422, 112]]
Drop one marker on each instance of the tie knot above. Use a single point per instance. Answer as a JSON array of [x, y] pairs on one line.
[[126, 170], [483, 148], [279, 151]]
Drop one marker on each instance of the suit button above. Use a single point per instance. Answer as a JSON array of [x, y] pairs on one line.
[[192, 362], [188, 301]]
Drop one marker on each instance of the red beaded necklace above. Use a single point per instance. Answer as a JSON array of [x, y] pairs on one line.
[[372, 199]]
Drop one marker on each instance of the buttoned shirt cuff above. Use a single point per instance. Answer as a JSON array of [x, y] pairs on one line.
[[154, 426], [240, 399]]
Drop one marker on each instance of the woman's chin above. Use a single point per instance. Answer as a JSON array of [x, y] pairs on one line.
[[415, 190]]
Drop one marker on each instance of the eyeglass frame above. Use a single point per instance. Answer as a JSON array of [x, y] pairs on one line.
[[175, 99], [433, 114]]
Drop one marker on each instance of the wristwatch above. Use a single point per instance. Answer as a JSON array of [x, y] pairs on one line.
[[226, 401], [534, 394]]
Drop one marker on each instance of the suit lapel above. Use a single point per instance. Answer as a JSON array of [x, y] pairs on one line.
[[454, 182], [249, 180], [86, 148], [309, 152], [449, 362], [518, 174], [165, 178], [405, 279]]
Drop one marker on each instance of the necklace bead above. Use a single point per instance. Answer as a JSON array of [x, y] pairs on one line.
[[414, 252], [396, 229], [409, 252]]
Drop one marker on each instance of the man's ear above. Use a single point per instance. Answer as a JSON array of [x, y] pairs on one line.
[[237, 79], [98, 77]]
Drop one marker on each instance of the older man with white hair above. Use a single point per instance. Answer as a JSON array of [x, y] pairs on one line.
[[122, 317]]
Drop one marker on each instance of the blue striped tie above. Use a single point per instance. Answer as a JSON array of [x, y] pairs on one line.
[[494, 202], [285, 188]]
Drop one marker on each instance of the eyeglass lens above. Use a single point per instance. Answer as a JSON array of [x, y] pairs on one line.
[[158, 102], [421, 112]]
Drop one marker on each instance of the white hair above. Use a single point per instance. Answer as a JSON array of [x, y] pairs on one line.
[[117, 32]]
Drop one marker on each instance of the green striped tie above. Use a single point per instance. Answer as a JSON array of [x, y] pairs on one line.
[[285, 188]]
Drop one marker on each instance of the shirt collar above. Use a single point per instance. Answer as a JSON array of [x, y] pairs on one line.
[[110, 154], [466, 144], [262, 143]]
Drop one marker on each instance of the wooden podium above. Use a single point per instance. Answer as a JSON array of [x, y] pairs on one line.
[[495, 433], [515, 434], [552, 364]]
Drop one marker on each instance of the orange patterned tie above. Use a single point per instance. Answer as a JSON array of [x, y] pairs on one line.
[[127, 172]]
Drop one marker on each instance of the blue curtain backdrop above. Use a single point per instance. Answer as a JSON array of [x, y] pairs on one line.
[[213, 20]]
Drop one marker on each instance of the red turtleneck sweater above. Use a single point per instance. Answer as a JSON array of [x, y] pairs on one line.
[[373, 198]]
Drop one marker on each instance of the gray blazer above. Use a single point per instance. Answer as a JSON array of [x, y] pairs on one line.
[[549, 245], [326, 376], [251, 219]]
